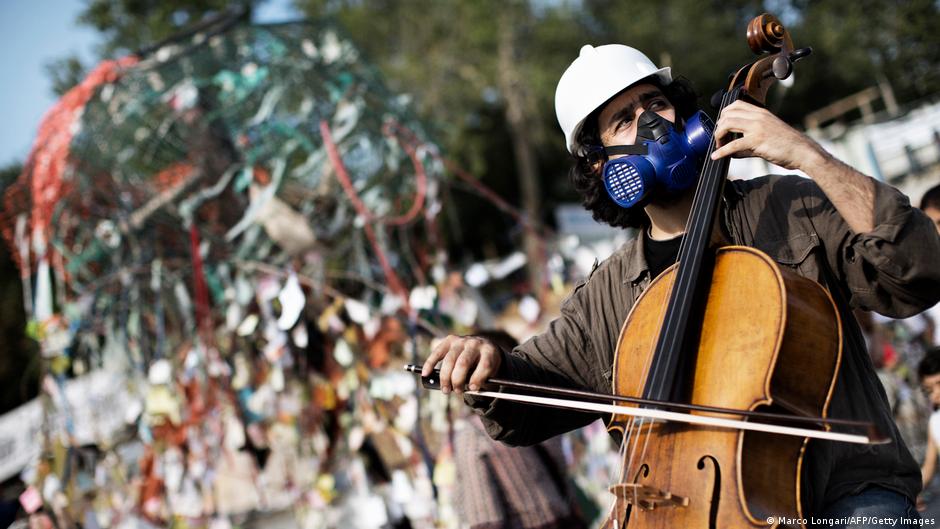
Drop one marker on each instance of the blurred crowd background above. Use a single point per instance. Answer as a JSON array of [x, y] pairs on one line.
[[229, 238]]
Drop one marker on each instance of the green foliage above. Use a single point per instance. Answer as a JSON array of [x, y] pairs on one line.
[[444, 52], [65, 73], [8, 175], [856, 42], [131, 25], [128, 26]]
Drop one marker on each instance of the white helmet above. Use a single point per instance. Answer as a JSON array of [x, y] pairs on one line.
[[597, 75]]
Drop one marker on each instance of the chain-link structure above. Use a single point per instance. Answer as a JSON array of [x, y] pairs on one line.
[[235, 144]]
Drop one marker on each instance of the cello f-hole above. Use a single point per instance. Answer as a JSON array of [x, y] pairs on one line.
[[716, 489]]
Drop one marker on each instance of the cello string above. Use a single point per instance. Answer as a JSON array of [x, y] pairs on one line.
[[700, 213], [653, 361], [711, 179], [698, 231], [638, 424], [693, 245], [628, 433], [699, 234], [681, 289], [704, 180]]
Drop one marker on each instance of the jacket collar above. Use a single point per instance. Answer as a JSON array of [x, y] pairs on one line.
[[634, 259]]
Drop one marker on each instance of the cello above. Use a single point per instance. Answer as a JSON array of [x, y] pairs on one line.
[[686, 360], [783, 357]]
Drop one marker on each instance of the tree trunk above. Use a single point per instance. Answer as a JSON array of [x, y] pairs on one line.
[[514, 93]]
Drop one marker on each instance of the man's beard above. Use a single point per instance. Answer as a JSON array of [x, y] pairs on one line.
[[661, 197]]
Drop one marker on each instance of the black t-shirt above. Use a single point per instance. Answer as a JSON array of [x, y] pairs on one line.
[[661, 254]]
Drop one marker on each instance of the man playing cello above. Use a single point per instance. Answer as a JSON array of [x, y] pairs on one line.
[[857, 236]]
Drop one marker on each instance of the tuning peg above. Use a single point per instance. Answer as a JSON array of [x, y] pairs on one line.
[[782, 68], [796, 55]]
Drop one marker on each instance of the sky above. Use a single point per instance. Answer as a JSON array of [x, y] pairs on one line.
[[34, 33]]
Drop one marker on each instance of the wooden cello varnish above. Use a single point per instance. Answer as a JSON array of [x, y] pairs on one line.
[[770, 339]]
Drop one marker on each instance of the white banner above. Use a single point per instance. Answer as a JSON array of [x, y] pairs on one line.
[[19, 438], [97, 406]]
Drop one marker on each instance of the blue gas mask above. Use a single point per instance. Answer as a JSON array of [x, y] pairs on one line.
[[662, 158]]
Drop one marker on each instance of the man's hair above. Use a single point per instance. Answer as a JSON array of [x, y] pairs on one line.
[[930, 365], [931, 198], [587, 180]]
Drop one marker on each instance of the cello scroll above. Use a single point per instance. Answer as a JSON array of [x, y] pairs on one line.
[[767, 35]]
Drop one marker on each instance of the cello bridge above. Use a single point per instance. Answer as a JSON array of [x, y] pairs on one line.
[[646, 497]]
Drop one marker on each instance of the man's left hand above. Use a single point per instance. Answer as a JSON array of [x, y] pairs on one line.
[[763, 135]]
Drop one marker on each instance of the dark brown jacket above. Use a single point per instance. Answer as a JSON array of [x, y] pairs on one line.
[[894, 270]]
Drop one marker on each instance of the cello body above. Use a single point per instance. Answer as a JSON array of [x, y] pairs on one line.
[[769, 340]]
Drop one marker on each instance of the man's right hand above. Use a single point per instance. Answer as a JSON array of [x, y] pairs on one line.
[[464, 358]]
